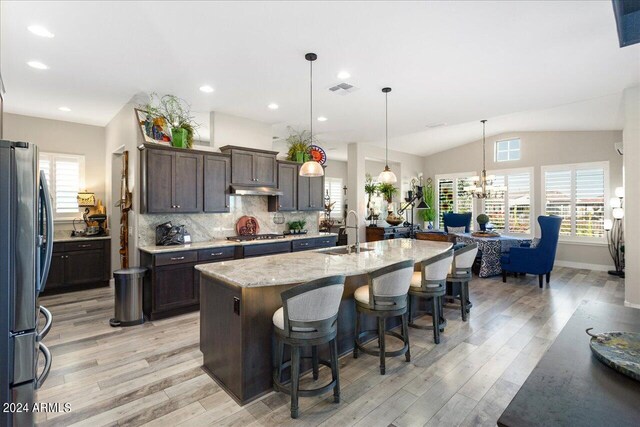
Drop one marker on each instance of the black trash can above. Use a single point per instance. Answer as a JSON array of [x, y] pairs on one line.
[[128, 297]]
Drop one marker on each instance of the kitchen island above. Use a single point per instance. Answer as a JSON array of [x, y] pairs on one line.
[[238, 299]]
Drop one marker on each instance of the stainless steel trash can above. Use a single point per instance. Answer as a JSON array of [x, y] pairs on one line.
[[128, 297]]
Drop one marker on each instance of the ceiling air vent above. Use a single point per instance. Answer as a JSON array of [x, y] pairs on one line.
[[343, 89]]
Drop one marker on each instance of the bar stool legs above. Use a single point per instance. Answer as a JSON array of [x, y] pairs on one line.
[[296, 357], [436, 315]]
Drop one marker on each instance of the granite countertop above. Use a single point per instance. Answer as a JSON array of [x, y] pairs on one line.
[[297, 267], [216, 243], [65, 236]]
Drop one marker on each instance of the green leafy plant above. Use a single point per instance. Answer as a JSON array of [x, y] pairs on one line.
[[482, 219], [296, 225], [298, 142], [428, 194], [370, 188], [175, 111], [387, 191]]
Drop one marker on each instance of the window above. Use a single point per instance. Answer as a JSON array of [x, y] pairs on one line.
[[578, 194], [511, 213], [451, 194], [507, 150], [334, 188], [65, 177]]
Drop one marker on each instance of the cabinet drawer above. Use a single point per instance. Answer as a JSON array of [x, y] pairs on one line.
[[214, 254], [266, 249], [84, 245], [58, 247], [303, 245], [176, 258], [326, 242]]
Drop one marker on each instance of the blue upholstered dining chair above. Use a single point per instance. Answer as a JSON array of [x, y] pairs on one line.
[[457, 220], [538, 260]]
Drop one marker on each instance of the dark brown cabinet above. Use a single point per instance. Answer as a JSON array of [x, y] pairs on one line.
[[288, 184], [217, 177], [176, 286], [311, 193], [252, 167], [172, 181], [79, 265], [392, 232]]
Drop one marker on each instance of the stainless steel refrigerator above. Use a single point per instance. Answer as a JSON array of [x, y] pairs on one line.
[[26, 243]]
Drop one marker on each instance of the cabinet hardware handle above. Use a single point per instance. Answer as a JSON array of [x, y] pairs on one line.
[[177, 258], [227, 205], [304, 244], [178, 206], [84, 246], [216, 254]]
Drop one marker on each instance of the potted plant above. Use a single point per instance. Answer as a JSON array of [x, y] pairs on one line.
[[299, 145], [483, 220], [429, 214], [296, 227], [176, 113], [370, 188], [388, 191]]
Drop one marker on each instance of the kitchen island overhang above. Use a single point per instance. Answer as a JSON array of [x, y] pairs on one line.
[[238, 299]]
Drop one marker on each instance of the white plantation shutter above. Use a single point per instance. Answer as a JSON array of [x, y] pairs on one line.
[[557, 193], [65, 176], [511, 212], [334, 187], [451, 195], [578, 194]]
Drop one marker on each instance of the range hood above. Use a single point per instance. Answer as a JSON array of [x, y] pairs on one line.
[[242, 190]]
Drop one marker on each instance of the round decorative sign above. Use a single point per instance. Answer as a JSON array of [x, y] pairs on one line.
[[318, 154]]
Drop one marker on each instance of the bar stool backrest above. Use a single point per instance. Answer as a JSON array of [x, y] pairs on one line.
[[389, 285], [311, 310], [435, 270], [463, 260]]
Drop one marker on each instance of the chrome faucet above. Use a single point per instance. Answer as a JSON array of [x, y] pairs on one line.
[[355, 227]]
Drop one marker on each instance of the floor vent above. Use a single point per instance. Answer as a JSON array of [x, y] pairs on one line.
[[343, 89]]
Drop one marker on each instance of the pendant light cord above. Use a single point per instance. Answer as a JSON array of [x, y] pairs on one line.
[[311, 100], [386, 129]]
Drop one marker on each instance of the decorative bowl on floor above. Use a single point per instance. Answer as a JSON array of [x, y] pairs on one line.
[[618, 350]]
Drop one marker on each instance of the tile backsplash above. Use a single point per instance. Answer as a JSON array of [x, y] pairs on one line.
[[204, 227]]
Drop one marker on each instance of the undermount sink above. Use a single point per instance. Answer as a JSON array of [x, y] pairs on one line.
[[343, 251]]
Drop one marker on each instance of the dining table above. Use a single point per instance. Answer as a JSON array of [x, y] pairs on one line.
[[490, 249]]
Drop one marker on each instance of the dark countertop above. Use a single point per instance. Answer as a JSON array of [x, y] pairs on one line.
[[570, 387]]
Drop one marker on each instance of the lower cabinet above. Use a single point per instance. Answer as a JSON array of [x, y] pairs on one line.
[[79, 265], [172, 284]]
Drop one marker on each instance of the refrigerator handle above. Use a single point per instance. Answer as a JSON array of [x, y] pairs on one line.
[[47, 326], [46, 200], [47, 365]]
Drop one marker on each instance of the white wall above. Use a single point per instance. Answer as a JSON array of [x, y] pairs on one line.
[[232, 130], [122, 133], [631, 137], [539, 149], [64, 137], [337, 169]]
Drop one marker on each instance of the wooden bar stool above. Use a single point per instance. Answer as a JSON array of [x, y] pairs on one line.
[[384, 296], [430, 283], [308, 318], [460, 275]]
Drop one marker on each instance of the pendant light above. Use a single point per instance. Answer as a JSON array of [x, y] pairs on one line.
[[311, 168], [386, 176], [483, 187]]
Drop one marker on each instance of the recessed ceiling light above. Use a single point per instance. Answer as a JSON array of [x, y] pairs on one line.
[[342, 75], [206, 89], [322, 119], [41, 31], [37, 65], [65, 109], [273, 106]]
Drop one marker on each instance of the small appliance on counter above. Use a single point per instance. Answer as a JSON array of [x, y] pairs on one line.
[[168, 234]]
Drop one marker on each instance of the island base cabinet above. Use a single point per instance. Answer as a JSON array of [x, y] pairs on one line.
[[236, 333]]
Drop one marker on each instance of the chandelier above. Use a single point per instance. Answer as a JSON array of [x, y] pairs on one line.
[[483, 186]]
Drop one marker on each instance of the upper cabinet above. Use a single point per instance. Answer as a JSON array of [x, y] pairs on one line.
[[217, 177], [252, 167], [171, 181], [310, 193], [288, 184]]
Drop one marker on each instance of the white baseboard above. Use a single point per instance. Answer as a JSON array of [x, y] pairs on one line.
[[112, 282], [584, 265], [630, 304]]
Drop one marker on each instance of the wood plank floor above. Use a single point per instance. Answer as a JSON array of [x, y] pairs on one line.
[[150, 374]]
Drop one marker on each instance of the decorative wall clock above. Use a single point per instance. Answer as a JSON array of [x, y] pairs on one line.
[[318, 154]]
